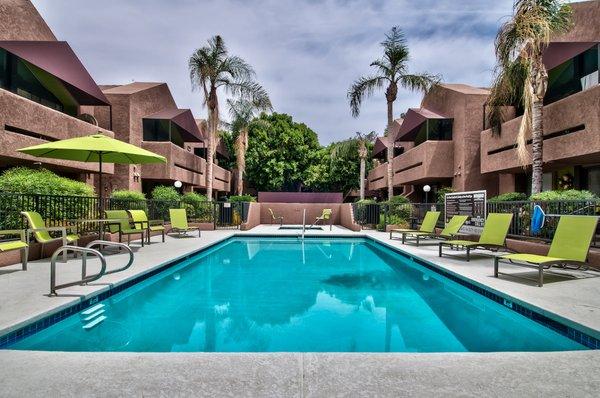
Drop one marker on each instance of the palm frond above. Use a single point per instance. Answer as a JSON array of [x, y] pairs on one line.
[[422, 82], [363, 88]]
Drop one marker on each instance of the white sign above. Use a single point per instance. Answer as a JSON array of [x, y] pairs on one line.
[[472, 204]]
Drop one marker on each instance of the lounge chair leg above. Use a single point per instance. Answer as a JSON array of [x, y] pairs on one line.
[[24, 255], [128, 240], [163, 234], [65, 254], [143, 237], [496, 267], [468, 254], [390, 234], [440, 249], [403, 238], [540, 276], [417, 240]]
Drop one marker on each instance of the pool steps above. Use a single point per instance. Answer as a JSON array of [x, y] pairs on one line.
[[93, 316]]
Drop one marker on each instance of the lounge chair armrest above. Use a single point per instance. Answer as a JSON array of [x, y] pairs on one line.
[[49, 229], [157, 222], [20, 232], [144, 224]]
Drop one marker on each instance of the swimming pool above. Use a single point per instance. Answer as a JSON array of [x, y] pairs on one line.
[[282, 294]]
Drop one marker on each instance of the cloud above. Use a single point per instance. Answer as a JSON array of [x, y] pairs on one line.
[[305, 53]]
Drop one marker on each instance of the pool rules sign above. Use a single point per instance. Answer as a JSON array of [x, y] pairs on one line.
[[472, 204]]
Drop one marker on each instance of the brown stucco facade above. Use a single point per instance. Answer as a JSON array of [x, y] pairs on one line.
[[571, 146], [440, 163], [24, 122]]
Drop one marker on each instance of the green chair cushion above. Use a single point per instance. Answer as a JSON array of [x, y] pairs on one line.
[[12, 245], [36, 222], [429, 221], [123, 218], [461, 243], [495, 229], [531, 258], [157, 228], [178, 219], [454, 225], [573, 237]]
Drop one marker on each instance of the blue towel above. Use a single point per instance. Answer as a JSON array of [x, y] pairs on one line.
[[537, 219]]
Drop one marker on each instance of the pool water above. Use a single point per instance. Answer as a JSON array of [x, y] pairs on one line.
[[280, 294]]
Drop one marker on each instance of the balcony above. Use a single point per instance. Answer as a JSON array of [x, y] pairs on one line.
[[571, 127], [181, 165], [429, 161], [24, 123], [221, 179], [376, 179]]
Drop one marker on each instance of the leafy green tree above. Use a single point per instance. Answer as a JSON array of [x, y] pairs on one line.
[[391, 71], [359, 145], [212, 68], [521, 77], [280, 152]]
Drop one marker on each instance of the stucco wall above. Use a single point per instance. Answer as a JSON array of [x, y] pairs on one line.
[[292, 212], [347, 217], [21, 21], [253, 218]]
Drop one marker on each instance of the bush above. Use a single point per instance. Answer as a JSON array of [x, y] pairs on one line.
[[508, 197], [399, 210], [197, 206], [441, 193], [124, 194], [366, 201], [570, 194], [164, 198], [242, 198], [20, 181], [128, 200]]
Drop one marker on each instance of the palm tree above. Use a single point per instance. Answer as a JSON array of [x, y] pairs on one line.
[[391, 71], [343, 149], [521, 76], [212, 68], [243, 112]]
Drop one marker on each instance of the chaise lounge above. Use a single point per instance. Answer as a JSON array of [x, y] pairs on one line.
[[568, 250], [10, 245], [493, 236], [179, 222], [427, 226], [41, 232], [450, 230], [139, 217], [124, 226]]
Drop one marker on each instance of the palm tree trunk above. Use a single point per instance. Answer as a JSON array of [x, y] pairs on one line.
[[537, 138], [390, 151], [210, 153], [362, 178], [240, 147]]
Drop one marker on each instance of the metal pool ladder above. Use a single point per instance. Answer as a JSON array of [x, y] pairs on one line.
[[88, 249], [303, 223]]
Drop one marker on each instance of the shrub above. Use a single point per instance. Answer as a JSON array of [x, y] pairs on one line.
[[399, 208], [164, 198], [508, 197], [570, 194], [242, 198], [31, 182], [441, 193], [197, 206], [124, 194], [366, 201], [128, 200]]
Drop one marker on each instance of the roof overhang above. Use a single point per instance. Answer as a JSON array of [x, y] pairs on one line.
[[558, 52], [380, 146], [184, 119], [58, 59], [413, 119]]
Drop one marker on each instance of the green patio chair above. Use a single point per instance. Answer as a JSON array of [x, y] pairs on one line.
[[275, 218], [569, 248], [41, 233], [139, 218], [450, 230], [427, 226], [493, 236], [123, 226], [325, 215], [179, 222], [10, 245]]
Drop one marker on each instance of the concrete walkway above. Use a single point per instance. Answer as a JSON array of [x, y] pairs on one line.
[[23, 297]]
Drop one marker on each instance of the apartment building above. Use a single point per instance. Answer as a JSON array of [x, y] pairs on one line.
[[571, 150], [44, 90], [436, 144]]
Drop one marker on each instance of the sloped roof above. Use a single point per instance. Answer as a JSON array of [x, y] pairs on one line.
[[414, 118], [58, 59], [130, 88], [182, 118], [558, 52]]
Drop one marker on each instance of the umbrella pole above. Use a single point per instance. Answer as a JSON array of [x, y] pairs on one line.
[[101, 204]]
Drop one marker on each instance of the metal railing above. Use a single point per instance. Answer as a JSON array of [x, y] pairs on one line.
[[57, 209], [380, 215]]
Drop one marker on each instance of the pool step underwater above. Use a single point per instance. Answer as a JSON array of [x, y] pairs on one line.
[[95, 322], [92, 309], [93, 316]]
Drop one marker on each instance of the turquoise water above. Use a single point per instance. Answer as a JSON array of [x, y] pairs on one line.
[[278, 294]]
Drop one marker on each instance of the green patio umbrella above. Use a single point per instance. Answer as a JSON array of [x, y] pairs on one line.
[[96, 148]]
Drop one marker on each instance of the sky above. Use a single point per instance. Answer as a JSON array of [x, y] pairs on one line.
[[306, 53]]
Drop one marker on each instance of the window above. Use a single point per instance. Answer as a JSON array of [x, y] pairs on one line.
[[434, 130], [162, 130], [566, 78]]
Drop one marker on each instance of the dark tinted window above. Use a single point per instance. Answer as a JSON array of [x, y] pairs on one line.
[[162, 130], [565, 79]]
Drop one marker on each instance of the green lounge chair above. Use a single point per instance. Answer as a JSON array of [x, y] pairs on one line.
[[427, 226], [179, 222], [274, 218], [41, 233], [569, 248], [450, 230], [139, 218], [10, 245], [325, 215], [123, 227], [493, 236]]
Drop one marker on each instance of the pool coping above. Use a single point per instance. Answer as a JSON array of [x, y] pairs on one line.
[[577, 332]]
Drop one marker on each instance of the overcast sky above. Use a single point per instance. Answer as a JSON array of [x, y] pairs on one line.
[[305, 53]]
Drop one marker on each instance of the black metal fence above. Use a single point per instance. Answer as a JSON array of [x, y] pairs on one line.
[[380, 215], [58, 210]]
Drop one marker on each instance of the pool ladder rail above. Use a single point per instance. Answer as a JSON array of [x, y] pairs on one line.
[[88, 249]]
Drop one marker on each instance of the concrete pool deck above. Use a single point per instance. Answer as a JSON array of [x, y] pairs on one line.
[[23, 298]]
